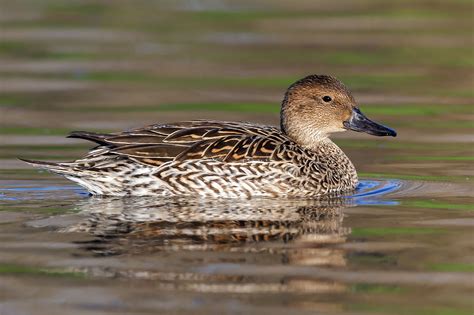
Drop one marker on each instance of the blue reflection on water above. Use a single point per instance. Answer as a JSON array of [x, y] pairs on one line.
[[34, 189], [14, 192], [368, 192], [371, 192]]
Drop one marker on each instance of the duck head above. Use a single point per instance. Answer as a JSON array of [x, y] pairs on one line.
[[318, 105]]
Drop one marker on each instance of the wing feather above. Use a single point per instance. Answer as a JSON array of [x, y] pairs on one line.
[[224, 141]]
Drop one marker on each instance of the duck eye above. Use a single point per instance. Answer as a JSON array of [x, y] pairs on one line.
[[327, 99]]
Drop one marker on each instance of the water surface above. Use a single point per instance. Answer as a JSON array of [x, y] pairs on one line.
[[402, 244]]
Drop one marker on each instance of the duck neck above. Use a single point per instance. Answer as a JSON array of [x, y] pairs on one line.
[[302, 131], [310, 138]]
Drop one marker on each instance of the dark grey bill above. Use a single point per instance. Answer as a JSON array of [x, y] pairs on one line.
[[358, 122]]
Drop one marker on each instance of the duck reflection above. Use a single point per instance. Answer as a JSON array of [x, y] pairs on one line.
[[178, 223], [206, 232]]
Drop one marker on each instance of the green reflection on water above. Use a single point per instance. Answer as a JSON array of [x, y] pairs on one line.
[[49, 147], [38, 131], [421, 56], [429, 204], [231, 107], [403, 309], [375, 259], [416, 177], [421, 146], [13, 269], [22, 49], [416, 110], [434, 158], [452, 267], [377, 288]]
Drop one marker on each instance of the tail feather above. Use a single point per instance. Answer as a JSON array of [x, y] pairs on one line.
[[96, 184], [99, 138], [64, 168]]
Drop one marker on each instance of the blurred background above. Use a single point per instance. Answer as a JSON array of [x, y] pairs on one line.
[[112, 65], [107, 66]]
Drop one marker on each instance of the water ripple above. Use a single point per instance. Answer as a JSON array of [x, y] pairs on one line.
[[369, 192]]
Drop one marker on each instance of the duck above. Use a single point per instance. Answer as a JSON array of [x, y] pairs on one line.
[[228, 159]]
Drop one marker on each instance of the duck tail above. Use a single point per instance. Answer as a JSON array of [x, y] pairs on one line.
[[96, 184], [64, 168]]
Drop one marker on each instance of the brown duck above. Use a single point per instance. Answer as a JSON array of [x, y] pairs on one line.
[[231, 159]]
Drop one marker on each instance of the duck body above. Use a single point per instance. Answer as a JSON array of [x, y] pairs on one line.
[[225, 159], [210, 159]]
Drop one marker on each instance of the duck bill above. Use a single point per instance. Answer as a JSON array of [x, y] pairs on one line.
[[358, 122]]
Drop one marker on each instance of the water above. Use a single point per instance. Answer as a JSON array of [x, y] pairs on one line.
[[182, 254], [402, 244]]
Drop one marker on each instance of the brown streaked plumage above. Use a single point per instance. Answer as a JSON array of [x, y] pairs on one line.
[[231, 159]]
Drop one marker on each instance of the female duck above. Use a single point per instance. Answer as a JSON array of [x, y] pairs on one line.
[[231, 159]]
